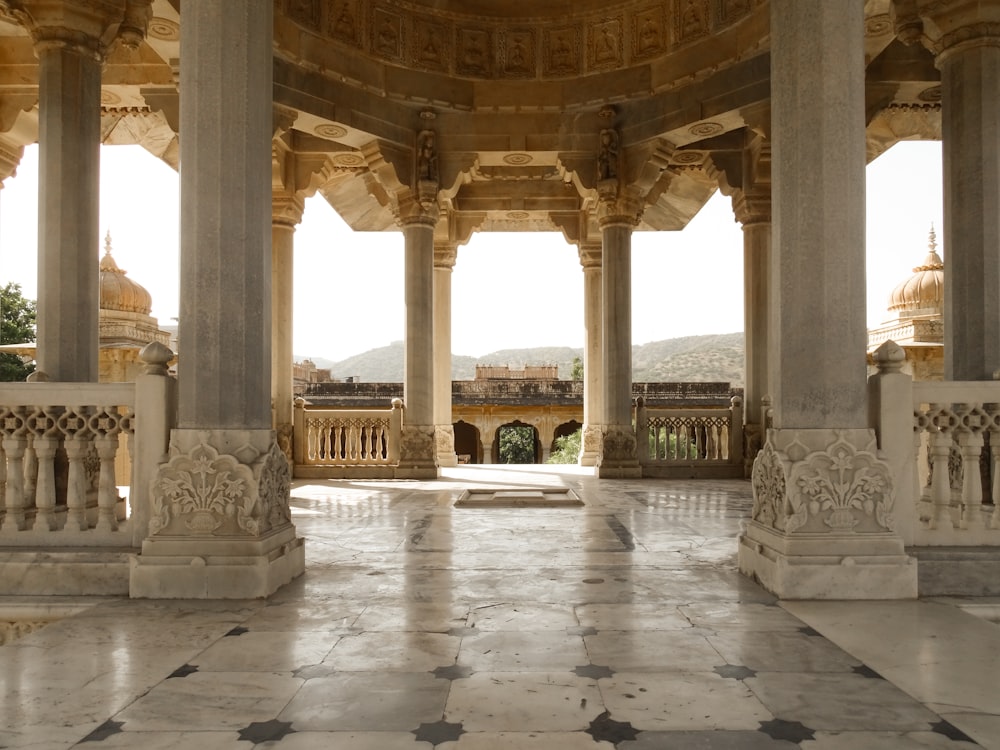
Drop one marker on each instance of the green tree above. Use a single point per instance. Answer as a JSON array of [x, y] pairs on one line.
[[17, 326], [577, 372], [567, 449], [517, 444]]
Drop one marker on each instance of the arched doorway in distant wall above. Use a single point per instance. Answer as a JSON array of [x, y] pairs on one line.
[[467, 446], [517, 443]]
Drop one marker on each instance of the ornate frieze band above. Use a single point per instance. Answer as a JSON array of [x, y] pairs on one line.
[[485, 47]]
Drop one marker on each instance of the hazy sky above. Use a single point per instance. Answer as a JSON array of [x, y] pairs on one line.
[[508, 290]]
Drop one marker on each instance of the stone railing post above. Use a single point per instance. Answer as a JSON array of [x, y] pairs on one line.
[[736, 431], [156, 415], [890, 405], [395, 430], [641, 431], [299, 433]]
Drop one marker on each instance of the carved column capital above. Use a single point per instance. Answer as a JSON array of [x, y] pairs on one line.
[[10, 157], [590, 255], [445, 255], [752, 208], [88, 27], [948, 26], [412, 212], [619, 211], [287, 209]]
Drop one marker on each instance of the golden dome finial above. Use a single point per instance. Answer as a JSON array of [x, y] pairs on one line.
[[932, 240]]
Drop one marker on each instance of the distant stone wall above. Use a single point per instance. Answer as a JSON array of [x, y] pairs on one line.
[[526, 392]]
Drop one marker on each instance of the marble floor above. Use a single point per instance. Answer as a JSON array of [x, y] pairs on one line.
[[618, 623]]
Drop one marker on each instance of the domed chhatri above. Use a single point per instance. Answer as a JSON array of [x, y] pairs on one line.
[[923, 292], [118, 292]]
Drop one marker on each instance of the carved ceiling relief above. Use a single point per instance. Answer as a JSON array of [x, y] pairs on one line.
[[475, 52], [690, 19], [387, 34], [562, 51], [649, 33], [345, 21], [604, 47], [517, 53], [432, 45]]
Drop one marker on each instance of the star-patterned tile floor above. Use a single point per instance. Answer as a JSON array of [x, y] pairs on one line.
[[621, 623]]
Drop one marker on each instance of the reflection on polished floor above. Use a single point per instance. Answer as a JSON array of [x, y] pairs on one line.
[[621, 623]]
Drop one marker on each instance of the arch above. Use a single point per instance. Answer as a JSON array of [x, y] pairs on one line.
[[467, 444], [524, 443]]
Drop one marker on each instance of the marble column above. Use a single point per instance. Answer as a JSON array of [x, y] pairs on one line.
[[618, 449], [444, 432], [968, 55], [590, 445], [821, 523], [220, 523], [286, 214], [418, 451], [754, 214], [70, 49]]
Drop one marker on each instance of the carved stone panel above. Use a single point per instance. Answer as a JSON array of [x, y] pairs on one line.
[[649, 33], [474, 56], [305, 12], [431, 45], [345, 22], [732, 10], [387, 34], [691, 20], [517, 53], [561, 51], [605, 44]]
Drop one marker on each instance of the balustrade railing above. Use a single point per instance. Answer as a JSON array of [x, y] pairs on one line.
[[953, 473], [58, 446], [705, 442], [331, 442]]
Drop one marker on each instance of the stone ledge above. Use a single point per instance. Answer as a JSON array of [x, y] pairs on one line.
[[957, 571], [65, 573]]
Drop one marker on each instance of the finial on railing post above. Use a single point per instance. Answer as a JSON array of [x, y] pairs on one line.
[[155, 357], [37, 376], [889, 357]]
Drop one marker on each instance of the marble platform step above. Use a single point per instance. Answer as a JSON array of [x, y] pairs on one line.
[[519, 497]]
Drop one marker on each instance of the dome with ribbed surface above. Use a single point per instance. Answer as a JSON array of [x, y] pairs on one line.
[[118, 292], [923, 292]]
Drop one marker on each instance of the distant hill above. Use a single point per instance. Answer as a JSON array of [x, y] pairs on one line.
[[714, 357]]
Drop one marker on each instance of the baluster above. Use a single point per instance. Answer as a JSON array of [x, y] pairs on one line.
[[351, 453], [73, 425], [921, 427], [993, 425], [105, 426], [29, 465], [970, 440], [128, 428], [943, 422], [15, 442], [42, 426], [339, 448]]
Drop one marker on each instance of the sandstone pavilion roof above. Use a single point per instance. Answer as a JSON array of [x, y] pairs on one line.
[[917, 305], [125, 306]]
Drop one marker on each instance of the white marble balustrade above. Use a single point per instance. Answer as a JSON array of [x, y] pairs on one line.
[[958, 504], [58, 444], [330, 438], [690, 442]]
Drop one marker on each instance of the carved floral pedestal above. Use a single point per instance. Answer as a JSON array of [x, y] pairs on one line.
[[590, 445], [444, 438], [417, 453], [822, 524], [220, 525], [618, 459]]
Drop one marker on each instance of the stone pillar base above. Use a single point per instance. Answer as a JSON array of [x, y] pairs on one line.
[[590, 445], [617, 459], [220, 524], [822, 523], [417, 453], [444, 440]]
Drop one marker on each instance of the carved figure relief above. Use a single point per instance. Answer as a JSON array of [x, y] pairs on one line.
[[607, 156], [431, 47], [730, 10], [605, 48], [519, 53], [387, 34], [305, 12], [427, 166], [474, 52], [691, 19], [648, 37], [344, 22], [561, 52]]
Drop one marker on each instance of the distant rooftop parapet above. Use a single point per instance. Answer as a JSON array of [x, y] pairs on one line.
[[528, 372]]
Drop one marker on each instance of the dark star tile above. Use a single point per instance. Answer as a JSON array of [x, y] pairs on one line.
[[593, 671], [734, 672], [438, 732], [454, 672], [462, 632], [606, 729], [806, 630], [866, 671], [238, 630], [104, 731], [266, 731], [583, 631], [950, 731], [313, 670], [183, 671], [792, 731]]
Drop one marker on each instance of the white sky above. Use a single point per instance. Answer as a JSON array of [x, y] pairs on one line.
[[508, 290]]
